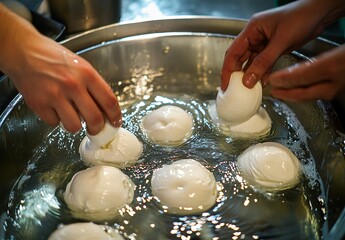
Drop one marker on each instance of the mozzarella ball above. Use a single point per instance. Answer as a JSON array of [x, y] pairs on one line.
[[168, 125], [184, 187], [105, 136], [98, 193], [238, 103], [124, 150], [84, 231], [258, 125], [269, 166]]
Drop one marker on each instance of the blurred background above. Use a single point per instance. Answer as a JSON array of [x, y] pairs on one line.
[[137, 10]]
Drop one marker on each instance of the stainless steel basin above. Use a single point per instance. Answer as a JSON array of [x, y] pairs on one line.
[[175, 57]]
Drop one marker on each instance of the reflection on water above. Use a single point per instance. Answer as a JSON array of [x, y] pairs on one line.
[[36, 206]]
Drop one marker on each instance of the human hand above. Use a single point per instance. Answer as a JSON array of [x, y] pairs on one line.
[[271, 33], [321, 78], [57, 84]]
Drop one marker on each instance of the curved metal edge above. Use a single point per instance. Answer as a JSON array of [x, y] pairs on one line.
[[215, 25], [200, 24], [151, 36], [15, 101], [228, 26]]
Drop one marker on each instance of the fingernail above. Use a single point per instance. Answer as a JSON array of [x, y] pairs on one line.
[[117, 123], [251, 80]]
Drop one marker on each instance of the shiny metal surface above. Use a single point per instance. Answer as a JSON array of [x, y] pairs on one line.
[[183, 56], [84, 15], [173, 24]]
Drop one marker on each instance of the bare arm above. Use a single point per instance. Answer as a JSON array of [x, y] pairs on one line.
[[322, 78], [57, 84], [271, 33]]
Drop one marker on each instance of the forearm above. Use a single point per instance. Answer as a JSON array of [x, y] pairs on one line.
[[15, 32], [328, 10]]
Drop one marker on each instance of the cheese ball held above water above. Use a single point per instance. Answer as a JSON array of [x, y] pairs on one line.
[[123, 150], [184, 187], [269, 166], [168, 125], [98, 193], [238, 103], [85, 231], [105, 136]]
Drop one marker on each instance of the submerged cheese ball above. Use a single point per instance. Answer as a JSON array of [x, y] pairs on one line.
[[168, 125], [184, 187], [124, 149], [238, 103], [270, 166], [257, 126], [85, 231], [97, 193]]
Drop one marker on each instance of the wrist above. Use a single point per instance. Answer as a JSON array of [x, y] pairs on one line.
[[328, 10], [15, 33]]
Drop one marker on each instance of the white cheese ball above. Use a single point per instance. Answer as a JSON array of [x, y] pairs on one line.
[[124, 150], [98, 193], [184, 187], [85, 231], [105, 136], [269, 166], [258, 125], [238, 103], [168, 125]]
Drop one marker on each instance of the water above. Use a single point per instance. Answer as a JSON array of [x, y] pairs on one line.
[[36, 206]]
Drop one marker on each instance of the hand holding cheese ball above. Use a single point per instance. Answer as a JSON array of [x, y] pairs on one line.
[[238, 103], [271, 33], [57, 84], [111, 146], [238, 110]]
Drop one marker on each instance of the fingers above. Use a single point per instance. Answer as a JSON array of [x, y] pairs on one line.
[[260, 64], [90, 112], [324, 90], [110, 106], [235, 56], [92, 97], [254, 46], [321, 78], [299, 75], [48, 115], [85, 94], [63, 113], [106, 101], [68, 116]]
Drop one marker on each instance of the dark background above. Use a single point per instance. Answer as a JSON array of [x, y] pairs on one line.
[[151, 9]]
